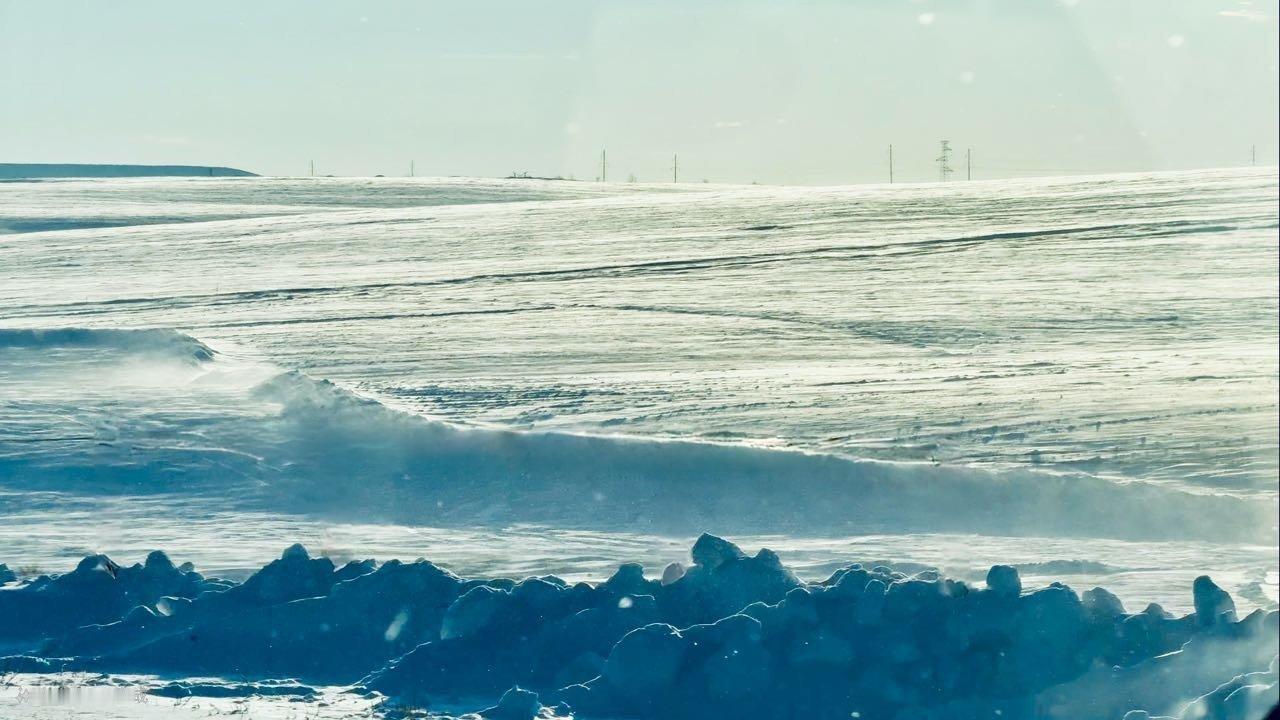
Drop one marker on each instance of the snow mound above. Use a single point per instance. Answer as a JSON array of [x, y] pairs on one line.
[[734, 636]]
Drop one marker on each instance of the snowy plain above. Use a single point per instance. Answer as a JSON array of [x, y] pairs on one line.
[[1077, 376]]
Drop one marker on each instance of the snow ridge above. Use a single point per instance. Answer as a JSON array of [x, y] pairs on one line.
[[350, 451], [170, 343]]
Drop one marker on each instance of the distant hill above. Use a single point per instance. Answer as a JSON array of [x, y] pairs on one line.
[[50, 170]]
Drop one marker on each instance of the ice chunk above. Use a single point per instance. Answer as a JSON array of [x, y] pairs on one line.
[[1213, 604], [644, 663], [670, 573], [1102, 604], [710, 552], [97, 591], [1003, 580], [515, 704], [471, 612], [295, 552], [629, 579], [158, 562]]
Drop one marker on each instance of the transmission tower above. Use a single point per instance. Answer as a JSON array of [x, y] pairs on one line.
[[944, 162]]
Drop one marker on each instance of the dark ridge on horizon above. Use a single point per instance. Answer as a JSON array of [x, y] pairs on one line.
[[89, 170]]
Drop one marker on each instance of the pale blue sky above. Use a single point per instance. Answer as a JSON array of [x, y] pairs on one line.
[[790, 91]]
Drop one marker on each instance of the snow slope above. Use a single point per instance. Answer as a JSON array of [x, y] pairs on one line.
[[1089, 357], [1118, 325]]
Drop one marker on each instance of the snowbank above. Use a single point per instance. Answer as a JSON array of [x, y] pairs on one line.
[[733, 636]]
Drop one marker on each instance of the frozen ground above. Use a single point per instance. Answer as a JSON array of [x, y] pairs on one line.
[[1077, 376]]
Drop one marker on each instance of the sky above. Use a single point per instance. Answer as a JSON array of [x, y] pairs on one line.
[[776, 92]]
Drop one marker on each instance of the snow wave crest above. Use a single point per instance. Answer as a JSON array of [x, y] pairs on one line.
[[352, 454], [298, 445], [143, 342]]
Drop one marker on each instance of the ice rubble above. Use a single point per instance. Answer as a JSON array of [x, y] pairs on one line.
[[97, 591], [733, 636]]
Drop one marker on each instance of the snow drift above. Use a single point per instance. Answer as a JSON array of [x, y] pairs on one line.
[[402, 467], [159, 342], [730, 636], [26, 171], [298, 445]]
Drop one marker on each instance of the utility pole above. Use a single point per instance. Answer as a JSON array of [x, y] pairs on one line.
[[675, 168], [604, 166], [968, 163], [944, 162], [890, 163]]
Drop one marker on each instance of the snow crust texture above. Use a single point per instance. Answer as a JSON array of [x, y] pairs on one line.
[[735, 635], [1123, 326]]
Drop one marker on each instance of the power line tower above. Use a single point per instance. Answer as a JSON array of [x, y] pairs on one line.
[[604, 166], [675, 168], [944, 162], [890, 163]]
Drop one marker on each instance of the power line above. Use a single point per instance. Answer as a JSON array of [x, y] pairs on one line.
[[1036, 170]]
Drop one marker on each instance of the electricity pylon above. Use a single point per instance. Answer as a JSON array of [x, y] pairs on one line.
[[944, 162]]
